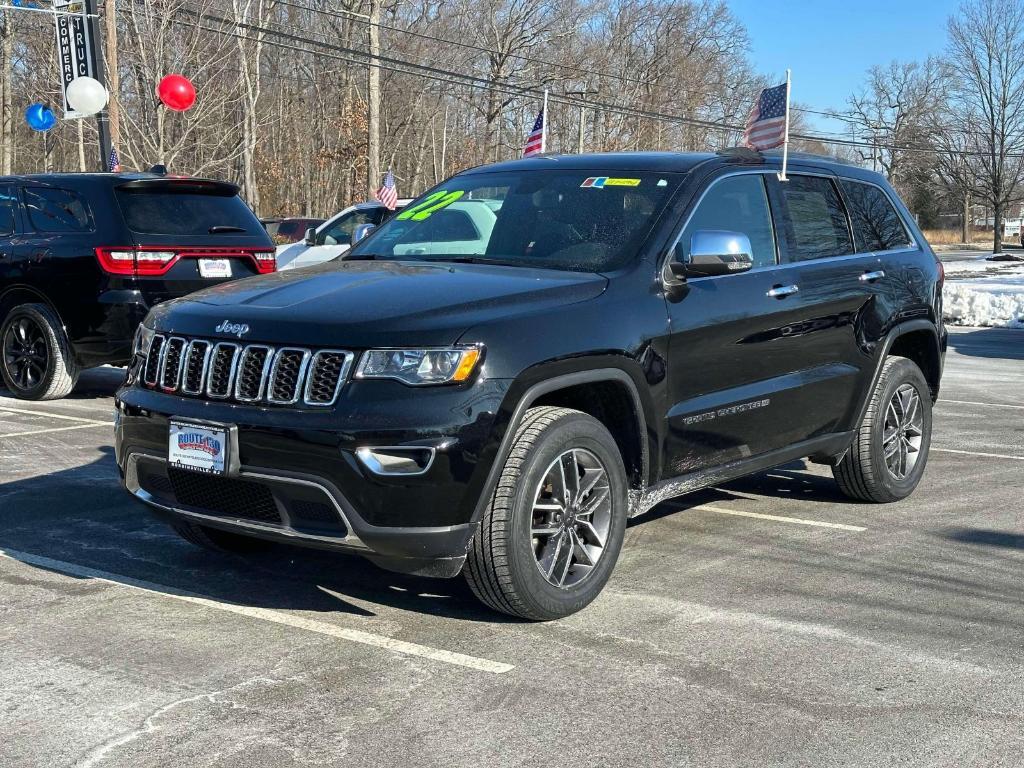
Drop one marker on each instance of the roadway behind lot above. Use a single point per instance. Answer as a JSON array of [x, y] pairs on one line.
[[766, 622]]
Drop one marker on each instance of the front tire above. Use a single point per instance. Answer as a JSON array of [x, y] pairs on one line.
[[551, 535], [889, 453], [36, 361]]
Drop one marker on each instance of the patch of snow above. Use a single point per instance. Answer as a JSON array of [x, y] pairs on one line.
[[994, 302]]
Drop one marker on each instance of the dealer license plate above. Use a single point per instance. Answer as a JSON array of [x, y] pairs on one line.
[[215, 267], [200, 448]]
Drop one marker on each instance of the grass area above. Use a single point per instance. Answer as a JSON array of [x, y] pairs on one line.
[[955, 237]]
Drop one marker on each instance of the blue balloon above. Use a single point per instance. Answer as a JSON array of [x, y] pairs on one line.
[[40, 117]]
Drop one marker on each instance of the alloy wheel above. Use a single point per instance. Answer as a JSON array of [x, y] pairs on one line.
[[24, 353], [903, 431], [572, 514]]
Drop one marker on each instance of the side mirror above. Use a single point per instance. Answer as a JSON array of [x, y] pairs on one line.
[[310, 238], [714, 252], [360, 231]]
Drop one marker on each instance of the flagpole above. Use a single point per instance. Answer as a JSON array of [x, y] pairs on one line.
[[785, 141], [544, 125]]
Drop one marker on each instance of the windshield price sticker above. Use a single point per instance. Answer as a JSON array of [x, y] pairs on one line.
[[600, 182]]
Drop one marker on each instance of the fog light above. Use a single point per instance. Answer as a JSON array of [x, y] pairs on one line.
[[396, 461]]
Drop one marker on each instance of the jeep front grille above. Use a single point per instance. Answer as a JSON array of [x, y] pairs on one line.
[[254, 373]]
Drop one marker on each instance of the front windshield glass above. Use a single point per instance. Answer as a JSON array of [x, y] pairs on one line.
[[557, 219]]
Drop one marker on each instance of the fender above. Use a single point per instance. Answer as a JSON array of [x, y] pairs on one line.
[[919, 324], [22, 288], [550, 385]]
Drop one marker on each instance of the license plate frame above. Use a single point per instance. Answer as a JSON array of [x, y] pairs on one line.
[[215, 268], [204, 447]]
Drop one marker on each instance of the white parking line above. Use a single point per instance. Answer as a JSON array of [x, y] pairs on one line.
[[27, 412], [781, 519], [265, 614], [57, 429], [974, 402], [978, 453]]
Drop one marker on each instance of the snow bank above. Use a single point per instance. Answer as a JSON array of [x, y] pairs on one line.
[[994, 302]]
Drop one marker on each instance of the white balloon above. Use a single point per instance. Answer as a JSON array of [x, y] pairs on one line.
[[87, 95]]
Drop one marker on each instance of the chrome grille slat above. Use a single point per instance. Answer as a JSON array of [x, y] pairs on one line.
[[221, 376], [253, 365], [286, 376], [151, 371], [172, 357], [327, 372], [253, 373], [197, 358]]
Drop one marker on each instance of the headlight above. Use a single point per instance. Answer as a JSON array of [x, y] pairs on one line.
[[420, 366], [143, 340]]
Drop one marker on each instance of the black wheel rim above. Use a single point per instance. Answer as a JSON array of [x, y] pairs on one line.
[[25, 353]]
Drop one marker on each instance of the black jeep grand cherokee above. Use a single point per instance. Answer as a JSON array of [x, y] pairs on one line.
[[497, 378]]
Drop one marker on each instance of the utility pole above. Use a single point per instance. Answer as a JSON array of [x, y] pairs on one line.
[[373, 97], [102, 122], [583, 114], [113, 74]]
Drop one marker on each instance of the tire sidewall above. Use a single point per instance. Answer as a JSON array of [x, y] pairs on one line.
[[52, 350], [577, 431], [902, 372]]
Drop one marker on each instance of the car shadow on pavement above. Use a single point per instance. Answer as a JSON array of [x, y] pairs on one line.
[[986, 537], [996, 343], [82, 516]]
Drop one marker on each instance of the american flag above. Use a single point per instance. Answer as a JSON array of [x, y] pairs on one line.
[[535, 141], [113, 162], [766, 125], [387, 195]]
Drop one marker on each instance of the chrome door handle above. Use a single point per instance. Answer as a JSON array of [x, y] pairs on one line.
[[780, 291], [870, 277]]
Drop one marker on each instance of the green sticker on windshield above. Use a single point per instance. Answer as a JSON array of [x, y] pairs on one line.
[[430, 205]]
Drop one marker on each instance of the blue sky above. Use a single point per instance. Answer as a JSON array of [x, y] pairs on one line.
[[829, 45]]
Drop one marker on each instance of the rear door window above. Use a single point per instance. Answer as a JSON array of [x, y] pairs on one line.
[[182, 214], [876, 225], [735, 204], [8, 210], [57, 210], [814, 220]]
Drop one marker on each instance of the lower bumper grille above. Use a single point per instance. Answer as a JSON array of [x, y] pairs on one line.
[[224, 496]]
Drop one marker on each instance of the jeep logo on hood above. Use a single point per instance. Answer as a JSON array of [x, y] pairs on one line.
[[235, 329]]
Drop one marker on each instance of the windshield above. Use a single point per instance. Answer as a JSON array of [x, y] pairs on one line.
[[556, 219]]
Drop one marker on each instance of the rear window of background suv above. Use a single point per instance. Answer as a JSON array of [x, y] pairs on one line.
[[159, 212]]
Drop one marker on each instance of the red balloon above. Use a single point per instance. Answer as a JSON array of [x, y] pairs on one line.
[[176, 92]]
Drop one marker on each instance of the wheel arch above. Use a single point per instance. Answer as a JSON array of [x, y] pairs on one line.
[[916, 339], [610, 395], [17, 294]]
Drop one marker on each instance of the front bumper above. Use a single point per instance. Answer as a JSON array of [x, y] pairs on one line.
[[298, 478]]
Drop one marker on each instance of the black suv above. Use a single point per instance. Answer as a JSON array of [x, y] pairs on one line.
[[84, 256], [626, 328]]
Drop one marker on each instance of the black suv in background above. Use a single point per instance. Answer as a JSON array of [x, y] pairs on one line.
[[626, 328], [84, 257]]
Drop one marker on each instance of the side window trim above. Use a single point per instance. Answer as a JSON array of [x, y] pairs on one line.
[[684, 220]]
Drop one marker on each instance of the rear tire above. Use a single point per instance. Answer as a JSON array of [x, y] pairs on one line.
[[890, 451], [216, 540], [36, 361], [546, 546]]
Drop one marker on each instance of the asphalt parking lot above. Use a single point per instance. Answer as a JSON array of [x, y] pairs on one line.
[[766, 622]]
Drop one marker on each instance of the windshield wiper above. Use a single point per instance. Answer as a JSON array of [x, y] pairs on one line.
[[217, 229]]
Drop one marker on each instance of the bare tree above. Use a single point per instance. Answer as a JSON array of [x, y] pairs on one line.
[[986, 54]]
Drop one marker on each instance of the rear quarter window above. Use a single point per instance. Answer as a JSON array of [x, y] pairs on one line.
[[876, 224], [57, 210], [162, 212]]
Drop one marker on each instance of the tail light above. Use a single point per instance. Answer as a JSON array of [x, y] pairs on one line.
[[266, 261], [155, 261]]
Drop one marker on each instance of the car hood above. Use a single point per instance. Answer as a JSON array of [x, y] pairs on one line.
[[371, 303]]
